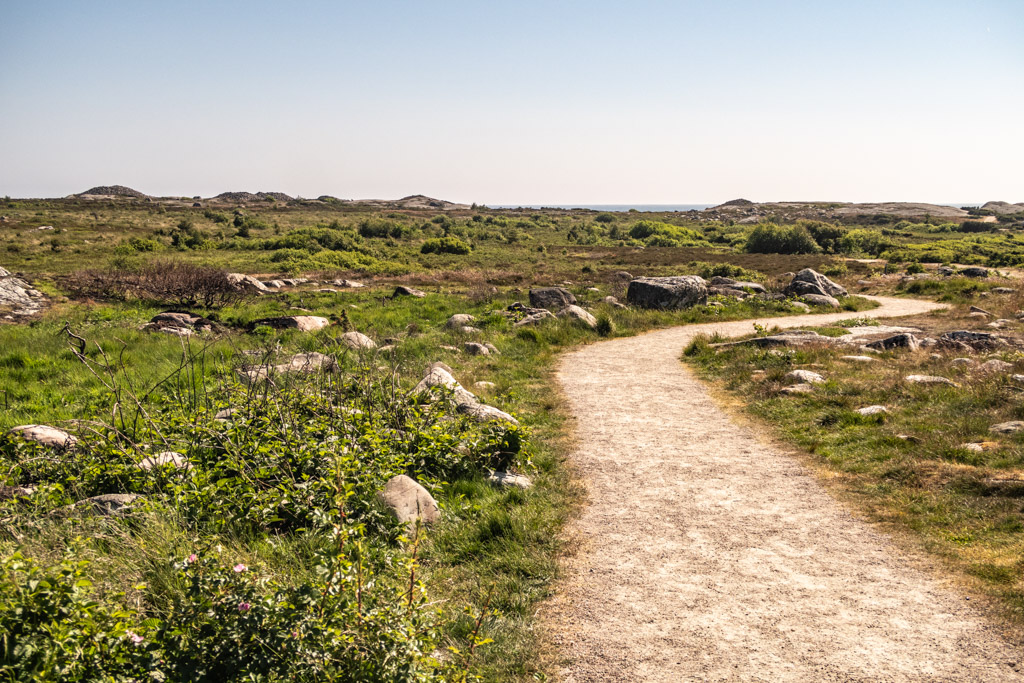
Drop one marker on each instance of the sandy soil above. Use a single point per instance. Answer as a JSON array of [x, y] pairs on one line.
[[708, 554]]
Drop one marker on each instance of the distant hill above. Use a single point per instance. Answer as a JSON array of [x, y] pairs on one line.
[[112, 191], [1003, 207], [825, 210], [250, 197]]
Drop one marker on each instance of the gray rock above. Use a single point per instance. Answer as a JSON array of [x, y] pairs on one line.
[[18, 296], [492, 348], [352, 284], [439, 375], [1003, 290], [475, 349], [897, 341], [506, 479], [535, 318], [945, 271], [402, 290], [551, 298], [579, 315], [409, 502], [246, 283], [681, 291], [613, 302], [1011, 427], [303, 323], [995, 365], [730, 292], [166, 458], [459, 320], [974, 271], [622, 275], [719, 281], [358, 341], [820, 300], [797, 389], [974, 340], [930, 379], [963, 362], [859, 359], [873, 410], [801, 306], [805, 376], [484, 386], [978, 309], [305, 363], [44, 435], [110, 503], [809, 281]]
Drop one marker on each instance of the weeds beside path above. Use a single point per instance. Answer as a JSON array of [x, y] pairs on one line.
[[707, 554]]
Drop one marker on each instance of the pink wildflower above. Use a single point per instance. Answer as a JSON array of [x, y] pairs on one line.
[[244, 607], [239, 568], [191, 558], [135, 637]]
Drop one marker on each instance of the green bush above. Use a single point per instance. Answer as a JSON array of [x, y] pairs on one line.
[[445, 245], [775, 239], [384, 227]]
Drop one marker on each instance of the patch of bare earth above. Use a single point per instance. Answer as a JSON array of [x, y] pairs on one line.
[[708, 554]]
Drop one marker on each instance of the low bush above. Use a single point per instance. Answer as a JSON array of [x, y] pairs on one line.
[[445, 245], [166, 282], [776, 239]]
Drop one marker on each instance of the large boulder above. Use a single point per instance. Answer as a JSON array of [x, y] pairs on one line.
[[680, 291], [974, 271], [579, 315], [18, 296], [551, 298], [809, 281], [44, 435], [409, 502], [303, 323]]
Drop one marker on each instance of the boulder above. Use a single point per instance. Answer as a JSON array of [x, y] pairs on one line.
[[981, 446], [930, 379], [492, 348], [897, 341], [409, 502], [246, 283], [303, 323], [613, 302], [352, 284], [18, 296], [797, 389], [622, 275], [1003, 290], [551, 298], [1011, 427], [307, 363], [475, 349], [978, 309], [459, 320], [535, 318], [439, 375], [945, 271], [820, 300], [805, 376], [50, 437], [166, 458], [974, 271], [681, 291], [859, 359], [506, 479], [801, 306], [402, 290], [578, 315], [358, 341], [484, 386], [730, 292], [995, 365], [809, 281]]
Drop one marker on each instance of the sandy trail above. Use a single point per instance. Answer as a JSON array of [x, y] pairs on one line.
[[709, 555]]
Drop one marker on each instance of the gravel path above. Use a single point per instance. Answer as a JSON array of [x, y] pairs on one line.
[[708, 555]]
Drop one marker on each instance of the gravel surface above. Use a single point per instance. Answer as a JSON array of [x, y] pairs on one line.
[[707, 554]]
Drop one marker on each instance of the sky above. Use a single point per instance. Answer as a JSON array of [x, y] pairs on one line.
[[527, 102]]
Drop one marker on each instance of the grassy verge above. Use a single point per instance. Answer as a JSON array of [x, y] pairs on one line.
[[910, 467]]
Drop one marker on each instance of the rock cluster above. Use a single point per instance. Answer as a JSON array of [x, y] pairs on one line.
[[18, 296]]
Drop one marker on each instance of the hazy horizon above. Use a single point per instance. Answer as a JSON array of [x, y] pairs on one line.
[[499, 104]]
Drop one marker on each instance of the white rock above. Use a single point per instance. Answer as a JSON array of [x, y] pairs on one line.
[[506, 479], [929, 379], [357, 340], [408, 501], [805, 376], [579, 315], [1007, 427], [872, 410], [166, 458], [859, 359], [51, 437]]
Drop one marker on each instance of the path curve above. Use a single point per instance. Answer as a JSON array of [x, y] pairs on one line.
[[707, 554]]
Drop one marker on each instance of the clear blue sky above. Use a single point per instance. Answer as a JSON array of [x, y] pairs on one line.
[[517, 102]]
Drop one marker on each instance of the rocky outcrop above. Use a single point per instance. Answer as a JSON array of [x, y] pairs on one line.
[[809, 281], [551, 298], [681, 291], [246, 283], [719, 281], [973, 340], [439, 375], [18, 297]]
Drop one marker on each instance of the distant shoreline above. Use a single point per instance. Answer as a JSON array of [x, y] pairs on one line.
[[613, 208]]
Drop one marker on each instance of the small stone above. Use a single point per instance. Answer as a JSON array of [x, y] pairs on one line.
[[459, 320], [963, 362], [506, 479], [873, 410], [484, 386], [800, 306], [358, 341], [981, 446], [930, 379], [1011, 427], [110, 503], [475, 349], [995, 365], [859, 359], [797, 389], [402, 290], [51, 437], [492, 348], [166, 458]]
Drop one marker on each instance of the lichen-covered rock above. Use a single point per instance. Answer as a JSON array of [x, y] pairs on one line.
[[974, 340], [809, 281], [994, 366], [246, 283], [802, 388], [439, 375], [578, 315], [18, 296], [409, 502], [719, 281], [551, 298], [1011, 427], [44, 435], [613, 302], [680, 291], [873, 410]]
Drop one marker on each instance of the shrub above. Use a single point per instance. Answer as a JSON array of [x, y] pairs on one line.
[[163, 282], [445, 245], [775, 239], [605, 325], [604, 218], [978, 226], [827, 235], [383, 227]]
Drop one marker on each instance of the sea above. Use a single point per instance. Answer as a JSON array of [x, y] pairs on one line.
[[609, 207]]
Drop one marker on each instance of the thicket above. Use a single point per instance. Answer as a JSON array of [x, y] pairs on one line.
[[769, 238], [445, 245], [162, 281]]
